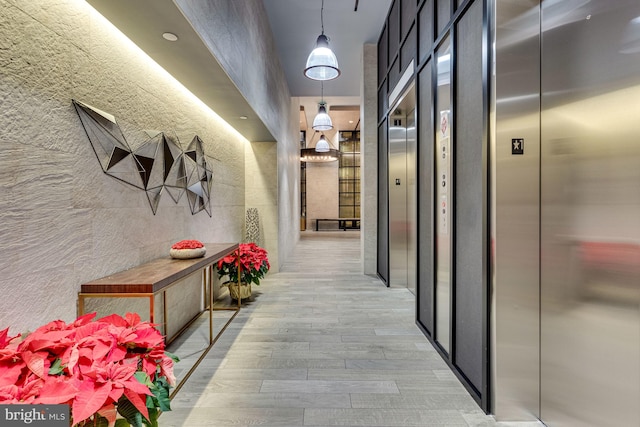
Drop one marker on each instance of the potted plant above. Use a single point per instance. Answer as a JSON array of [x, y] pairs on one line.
[[254, 265], [187, 249], [100, 368]]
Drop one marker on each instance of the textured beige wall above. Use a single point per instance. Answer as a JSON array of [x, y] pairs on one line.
[[369, 158], [62, 221], [289, 185], [261, 192], [322, 192], [239, 35]]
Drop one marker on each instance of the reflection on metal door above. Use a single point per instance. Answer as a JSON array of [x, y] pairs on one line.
[[402, 193], [590, 213]]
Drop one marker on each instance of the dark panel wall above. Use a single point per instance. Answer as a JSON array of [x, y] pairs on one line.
[[393, 25], [469, 196], [425, 30], [443, 14], [383, 59], [413, 31], [425, 294], [407, 16]]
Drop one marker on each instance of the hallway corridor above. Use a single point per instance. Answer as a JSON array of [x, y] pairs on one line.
[[323, 345]]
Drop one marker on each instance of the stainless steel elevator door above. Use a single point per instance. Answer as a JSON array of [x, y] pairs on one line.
[[397, 200], [590, 213], [402, 193]]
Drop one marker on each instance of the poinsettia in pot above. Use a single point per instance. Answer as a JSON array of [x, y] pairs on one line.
[[100, 368], [187, 249], [254, 265]]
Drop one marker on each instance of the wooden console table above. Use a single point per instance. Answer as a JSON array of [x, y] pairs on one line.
[[155, 277]]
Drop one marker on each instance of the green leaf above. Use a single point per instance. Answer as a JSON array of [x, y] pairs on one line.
[[173, 357], [121, 422], [100, 421], [143, 378], [56, 367], [153, 418], [161, 395], [130, 413]]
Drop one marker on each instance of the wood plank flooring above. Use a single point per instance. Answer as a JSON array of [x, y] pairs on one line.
[[323, 345]]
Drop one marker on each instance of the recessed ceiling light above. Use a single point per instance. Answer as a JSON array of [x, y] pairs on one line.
[[170, 37], [350, 121], [243, 117]]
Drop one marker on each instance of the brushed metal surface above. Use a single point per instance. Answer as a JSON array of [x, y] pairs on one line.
[[402, 192], [515, 210], [382, 265], [443, 196], [397, 199], [590, 213], [412, 194]]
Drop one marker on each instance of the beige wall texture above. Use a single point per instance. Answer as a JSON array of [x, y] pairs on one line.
[[239, 35], [322, 193], [62, 220], [322, 183], [261, 192], [369, 160]]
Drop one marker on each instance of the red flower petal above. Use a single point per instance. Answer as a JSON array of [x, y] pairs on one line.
[[89, 400], [138, 401], [37, 362], [187, 244], [57, 390]]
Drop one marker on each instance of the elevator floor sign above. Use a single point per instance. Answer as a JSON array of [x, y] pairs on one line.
[[517, 146]]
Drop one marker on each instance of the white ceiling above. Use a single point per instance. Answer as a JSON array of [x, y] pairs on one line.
[[296, 26]]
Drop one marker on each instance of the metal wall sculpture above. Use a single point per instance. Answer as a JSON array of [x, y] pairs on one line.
[[159, 164]]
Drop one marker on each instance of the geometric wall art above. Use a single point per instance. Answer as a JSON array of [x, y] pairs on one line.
[[159, 165]]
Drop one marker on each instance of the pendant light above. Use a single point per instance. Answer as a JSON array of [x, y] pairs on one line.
[[322, 63], [321, 153], [322, 121], [323, 145]]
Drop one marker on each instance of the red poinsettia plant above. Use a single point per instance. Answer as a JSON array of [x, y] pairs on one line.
[[254, 264], [113, 365], [187, 244]]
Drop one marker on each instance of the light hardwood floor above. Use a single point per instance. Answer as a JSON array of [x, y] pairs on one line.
[[323, 345]]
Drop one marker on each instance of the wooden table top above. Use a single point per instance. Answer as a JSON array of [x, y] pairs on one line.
[[155, 275]]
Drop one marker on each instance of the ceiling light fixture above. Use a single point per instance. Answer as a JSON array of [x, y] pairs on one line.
[[322, 63], [169, 37], [321, 153], [322, 121], [323, 145], [310, 155]]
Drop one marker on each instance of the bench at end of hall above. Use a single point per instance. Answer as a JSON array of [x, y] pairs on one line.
[[343, 223]]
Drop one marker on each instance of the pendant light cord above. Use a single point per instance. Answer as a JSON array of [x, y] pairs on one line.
[[321, 17]]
